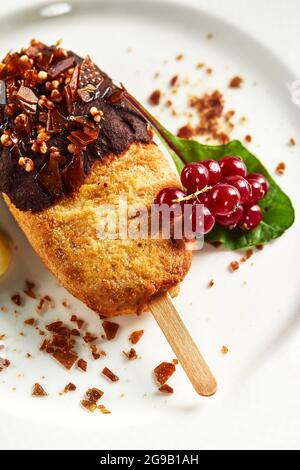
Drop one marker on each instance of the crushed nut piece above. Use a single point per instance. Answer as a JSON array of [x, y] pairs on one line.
[[26, 163]]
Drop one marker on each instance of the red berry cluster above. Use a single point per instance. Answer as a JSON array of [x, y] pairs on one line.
[[229, 195]]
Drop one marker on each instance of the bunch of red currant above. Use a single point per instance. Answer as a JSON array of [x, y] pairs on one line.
[[229, 195]]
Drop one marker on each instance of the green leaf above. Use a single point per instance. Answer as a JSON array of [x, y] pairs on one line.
[[277, 209]]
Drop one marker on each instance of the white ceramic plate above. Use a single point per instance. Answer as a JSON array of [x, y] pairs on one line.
[[255, 311]]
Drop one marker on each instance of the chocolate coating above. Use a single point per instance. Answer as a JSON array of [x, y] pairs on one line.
[[119, 127]]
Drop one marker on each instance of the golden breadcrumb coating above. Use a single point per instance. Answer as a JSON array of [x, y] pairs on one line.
[[112, 277]]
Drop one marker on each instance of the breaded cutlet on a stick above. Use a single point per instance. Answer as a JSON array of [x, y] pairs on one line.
[[70, 144]]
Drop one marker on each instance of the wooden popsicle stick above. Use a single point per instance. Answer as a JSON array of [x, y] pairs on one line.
[[183, 345]]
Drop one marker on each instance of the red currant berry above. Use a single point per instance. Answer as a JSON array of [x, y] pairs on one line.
[[241, 184], [232, 166], [223, 199], [262, 180], [194, 177], [202, 219], [203, 198], [169, 196], [252, 217], [214, 171], [231, 220], [257, 192]]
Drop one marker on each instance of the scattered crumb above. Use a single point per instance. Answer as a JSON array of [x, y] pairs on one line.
[[248, 138], [216, 244], [16, 299], [259, 247], [4, 364], [136, 336], [210, 36], [174, 80], [94, 394], [164, 371], [154, 98], [186, 132], [70, 387], [246, 256], [179, 57], [236, 82], [29, 289], [131, 354], [175, 361], [91, 407], [166, 389], [103, 410], [211, 283], [234, 266], [89, 337], [292, 142], [44, 304], [78, 321], [29, 321], [82, 364], [224, 350], [110, 329], [38, 391], [280, 169], [109, 374]]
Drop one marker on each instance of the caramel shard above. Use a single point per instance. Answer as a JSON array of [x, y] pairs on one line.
[[89, 337], [94, 394], [234, 266], [70, 387], [224, 350], [110, 329], [16, 299], [236, 82], [164, 371], [154, 98], [82, 364], [280, 169], [166, 389], [29, 289], [136, 336], [131, 354], [103, 410], [91, 407], [110, 375], [65, 358], [38, 391]]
